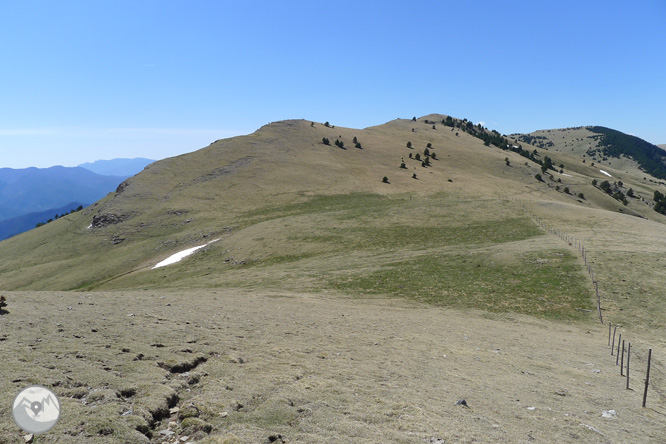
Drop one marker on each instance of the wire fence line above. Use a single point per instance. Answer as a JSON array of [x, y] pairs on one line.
[[636, 363]]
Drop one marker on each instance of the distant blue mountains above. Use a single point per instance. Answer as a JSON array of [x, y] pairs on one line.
[[32, 195]]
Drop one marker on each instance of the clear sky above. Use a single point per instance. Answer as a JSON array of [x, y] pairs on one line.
[[88, 80]]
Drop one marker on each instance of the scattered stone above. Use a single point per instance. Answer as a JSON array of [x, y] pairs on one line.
[[28, 438], [276, 438], [592, 428], [224, 414], [174, 410], [462, 402], [184, 438], [531, 408], [596, 371], [167, 432], [609, 414]]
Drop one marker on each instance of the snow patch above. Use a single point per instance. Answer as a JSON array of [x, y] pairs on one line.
[[181, 255], [568, 175], [606, 173]]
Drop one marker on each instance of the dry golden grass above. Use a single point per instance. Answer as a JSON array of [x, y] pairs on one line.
[[310, 311]]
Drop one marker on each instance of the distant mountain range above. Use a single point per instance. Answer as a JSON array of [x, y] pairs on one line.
[[32, 195], [117, 167], [17, 225]]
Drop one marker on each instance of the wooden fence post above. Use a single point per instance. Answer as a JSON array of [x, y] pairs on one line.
[[613, 345], [617, 356], [609, 332], [647, 378], [628, 358], [622, 360]]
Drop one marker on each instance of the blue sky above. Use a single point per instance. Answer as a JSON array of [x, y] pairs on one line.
[[88, 80]]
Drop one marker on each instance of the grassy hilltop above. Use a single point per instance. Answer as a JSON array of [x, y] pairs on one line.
[[346, 280]]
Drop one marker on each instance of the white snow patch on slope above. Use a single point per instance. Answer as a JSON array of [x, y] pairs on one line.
[[180, 255], [606, 173], [568, 175]]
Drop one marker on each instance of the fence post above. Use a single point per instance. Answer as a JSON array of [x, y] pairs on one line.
[[622, 360], [617, 356], [647, 378], [628, 358], [613, 345], [609, 332]]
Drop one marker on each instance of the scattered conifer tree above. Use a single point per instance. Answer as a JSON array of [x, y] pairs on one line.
[[327, 125], [385, 180], [414, 176], [418, 156], [409, 144]]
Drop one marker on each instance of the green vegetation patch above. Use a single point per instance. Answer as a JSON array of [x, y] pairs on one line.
[[546, 283], [401, 236], [353, 205]]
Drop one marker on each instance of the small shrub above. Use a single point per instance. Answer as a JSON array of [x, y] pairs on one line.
[[327, 125], [409, 144], [410, 156], [403, 166], [434, 127], [630, 192], [414, 176], [506, 161], [3, 304], [429, 145], [427, 161], [433, 155], [538, 177], [414, 119], [566, 190], [581, 195], [385, 179], [426, 152], [325, 141], [594, 182], [418, 156]]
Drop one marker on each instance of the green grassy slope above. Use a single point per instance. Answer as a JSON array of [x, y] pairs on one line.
[[293, 213]]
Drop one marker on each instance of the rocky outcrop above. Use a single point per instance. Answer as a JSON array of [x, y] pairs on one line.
[[106, 219]]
